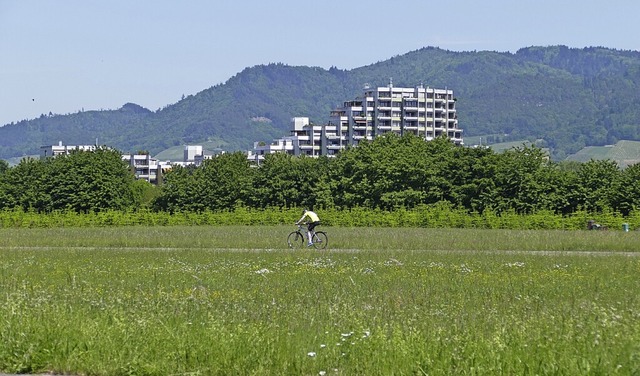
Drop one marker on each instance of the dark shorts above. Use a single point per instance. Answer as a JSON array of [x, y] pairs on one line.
[[312, 225]]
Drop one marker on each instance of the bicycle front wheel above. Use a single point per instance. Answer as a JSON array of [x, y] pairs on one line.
[[295, 240], [320, 240]]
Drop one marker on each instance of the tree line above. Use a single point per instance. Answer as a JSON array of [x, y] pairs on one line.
[[392, 172]]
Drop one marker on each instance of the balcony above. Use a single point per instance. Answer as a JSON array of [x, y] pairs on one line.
[[456, 137]]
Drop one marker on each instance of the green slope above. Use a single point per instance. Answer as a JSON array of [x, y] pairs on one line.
[[624, 153]]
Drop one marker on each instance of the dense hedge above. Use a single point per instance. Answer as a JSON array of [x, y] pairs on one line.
[[440, 215]]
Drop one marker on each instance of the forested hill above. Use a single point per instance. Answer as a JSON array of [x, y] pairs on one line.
[[566, 98]]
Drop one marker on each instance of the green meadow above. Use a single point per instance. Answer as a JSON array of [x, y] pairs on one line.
[[220, 300]]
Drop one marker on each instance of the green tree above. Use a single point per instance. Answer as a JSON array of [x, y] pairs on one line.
[[277, 182], [86, 181], [26, 186], [4, 166], [144, 194], [177, 190], [596, 183], [624, 195], [526, 181], [283, 180], [388, 172], [471, 172], [222, 182], [402, 171]]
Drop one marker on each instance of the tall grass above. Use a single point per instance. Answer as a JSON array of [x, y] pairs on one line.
[[234, 300], [345, 238]]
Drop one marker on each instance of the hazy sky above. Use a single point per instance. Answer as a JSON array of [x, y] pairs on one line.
[[62, 56]]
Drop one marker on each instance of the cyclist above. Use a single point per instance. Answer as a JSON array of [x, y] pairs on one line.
[[314, 220]]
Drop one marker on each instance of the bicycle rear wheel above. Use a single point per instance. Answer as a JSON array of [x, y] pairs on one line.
[[295, 240], [320, 240]]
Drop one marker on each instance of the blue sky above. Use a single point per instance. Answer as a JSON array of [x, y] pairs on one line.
[[62, 56]]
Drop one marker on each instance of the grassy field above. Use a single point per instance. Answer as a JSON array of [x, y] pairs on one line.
[[233, 300]]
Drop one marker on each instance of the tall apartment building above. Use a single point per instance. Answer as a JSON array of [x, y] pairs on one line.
[[425, 112]]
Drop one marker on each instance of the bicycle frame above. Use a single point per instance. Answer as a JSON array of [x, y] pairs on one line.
[[319, 239]]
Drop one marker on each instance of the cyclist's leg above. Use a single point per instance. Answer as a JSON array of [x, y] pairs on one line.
[[312, 231], [310, 226]]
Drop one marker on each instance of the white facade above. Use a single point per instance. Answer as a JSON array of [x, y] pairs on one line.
[[191, 152], [424, 112], [308, 136], [55, 150], [304, 139], [144, 167], [194, 154], [260, 149]]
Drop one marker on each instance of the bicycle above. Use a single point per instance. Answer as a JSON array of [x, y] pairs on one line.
[[298, 239]]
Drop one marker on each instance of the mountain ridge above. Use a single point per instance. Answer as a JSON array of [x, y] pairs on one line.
[[568, 97]]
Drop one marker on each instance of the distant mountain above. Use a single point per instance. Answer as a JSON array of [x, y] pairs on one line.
[[563, 97]]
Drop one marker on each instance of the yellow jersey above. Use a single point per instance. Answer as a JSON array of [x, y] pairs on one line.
[[313, 217]]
